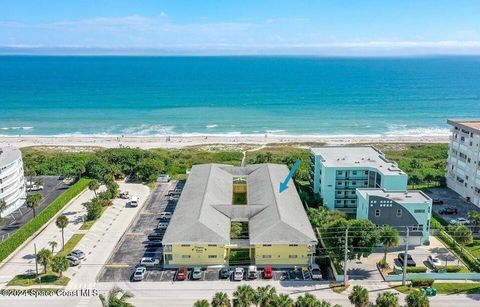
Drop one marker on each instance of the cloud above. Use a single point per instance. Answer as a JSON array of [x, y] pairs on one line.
[[160, 32]]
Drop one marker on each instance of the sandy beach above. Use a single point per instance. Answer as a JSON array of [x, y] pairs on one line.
[[173, 141]]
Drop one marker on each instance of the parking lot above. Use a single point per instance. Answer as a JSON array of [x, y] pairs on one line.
[[450, 199], [132, 247], [52, 188]]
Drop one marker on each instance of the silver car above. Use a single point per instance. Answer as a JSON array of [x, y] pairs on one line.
[[139, 273], [72, 260]]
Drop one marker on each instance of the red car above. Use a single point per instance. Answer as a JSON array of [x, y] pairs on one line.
[[268, 273], [182, 273]]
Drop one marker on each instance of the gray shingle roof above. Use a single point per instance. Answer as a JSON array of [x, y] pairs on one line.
[[204, 210]]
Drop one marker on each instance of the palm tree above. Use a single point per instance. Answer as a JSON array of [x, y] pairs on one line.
[[282, 300], [201, 303], [80, 170], [307, 300], [264, 296], [244, 296], [116, 298], [33, 200], [53, 244], [94, 185], [390, 238], [62, 222], [44, 256], [359, 296], [387, 299], [221, 299], [417, 299], [59, 264]]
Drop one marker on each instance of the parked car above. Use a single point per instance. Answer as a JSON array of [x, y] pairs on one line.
[[154, 243], [125, 195], [460, 220], [268, 272], [78, 254], [315, 271], [155, 236], [163, 178], [134, 201], [437, 201], [34, 188], [162, 225], [72, 260], [435, 262], [197, 273], [62, 177], [224, 273], [149, 262], [252, 272], [449, 210], [238, 274], [139, 273], [166, 215], [410, 261], [182, 273]]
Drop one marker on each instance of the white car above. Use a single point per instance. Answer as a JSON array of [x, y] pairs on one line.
[[166, 215], [435, 262], [35, 188], [162, 225], [134, 201], [238, 274], [315, 271], [139, 273], [252, 272], [125, 195], [460, 220], [149, 262]]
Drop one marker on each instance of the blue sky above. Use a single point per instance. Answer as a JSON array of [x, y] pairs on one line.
[[383, 27]]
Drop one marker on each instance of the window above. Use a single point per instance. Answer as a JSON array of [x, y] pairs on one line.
[[354, 172], [266, 256], [212, 256], [292, 256], [212, 245], [366, 172], [377, 212], [354, 183], [417, 228], [419, 210], [292, 244], [265, 245], [185, 245], [186, 256], [399, 212]]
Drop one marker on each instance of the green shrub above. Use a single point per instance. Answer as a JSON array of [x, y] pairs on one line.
[[383, 264], [94, 209], [9, 245], [449, 268], [417, 269], [422, 282]]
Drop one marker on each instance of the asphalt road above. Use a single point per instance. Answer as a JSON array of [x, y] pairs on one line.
[[52, 188]]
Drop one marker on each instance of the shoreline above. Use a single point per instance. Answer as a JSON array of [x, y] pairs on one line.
[[180, 141]]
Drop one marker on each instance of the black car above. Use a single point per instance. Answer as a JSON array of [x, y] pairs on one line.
[[410, 261], [224, 273], [155, 236], [154, 243], [449, 210], [437, 201]]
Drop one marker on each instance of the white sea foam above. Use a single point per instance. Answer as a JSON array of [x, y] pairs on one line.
[[402, 130], [212, 126], [148, 130]]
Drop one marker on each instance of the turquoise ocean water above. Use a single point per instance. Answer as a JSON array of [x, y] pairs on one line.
[[235, 95]]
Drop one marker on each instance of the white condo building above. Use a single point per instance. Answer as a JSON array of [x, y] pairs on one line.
[[12, 182], [463, 164]]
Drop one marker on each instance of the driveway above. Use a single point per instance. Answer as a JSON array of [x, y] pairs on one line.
[[451, 199]]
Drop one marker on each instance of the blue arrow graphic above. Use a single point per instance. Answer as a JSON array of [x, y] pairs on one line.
[[284, 184]]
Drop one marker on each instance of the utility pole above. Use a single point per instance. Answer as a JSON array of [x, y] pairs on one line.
[[36, 263], [405, 257], [345, 276]]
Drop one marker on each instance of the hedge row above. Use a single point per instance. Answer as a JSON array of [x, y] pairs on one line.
[[449, 268], [417, 269], [10, 244], [422, 282]]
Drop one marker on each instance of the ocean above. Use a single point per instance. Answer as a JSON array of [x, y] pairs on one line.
[[147, 96]]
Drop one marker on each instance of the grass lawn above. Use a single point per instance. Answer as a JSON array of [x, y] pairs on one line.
[[70, 245], [474, 248], [45, 279], [447, 288]]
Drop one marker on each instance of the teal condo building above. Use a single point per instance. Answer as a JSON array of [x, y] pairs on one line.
[[344, 178]]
